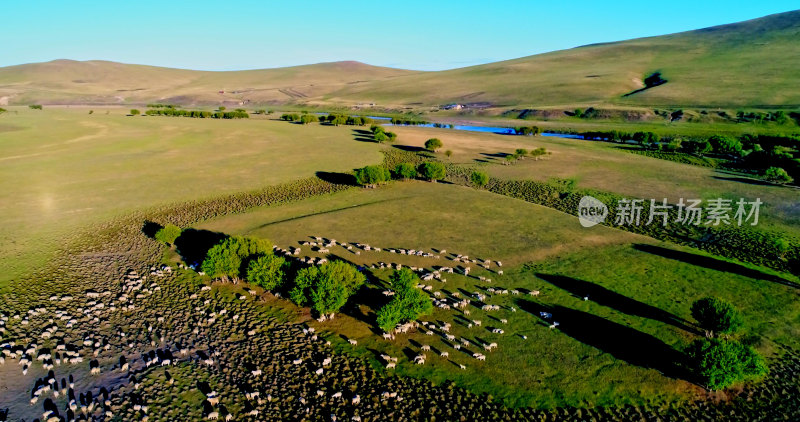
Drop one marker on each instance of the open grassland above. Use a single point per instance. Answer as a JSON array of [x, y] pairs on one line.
[[63, 169], [610, 168], [621, 299], [620, 346], [421, 215]]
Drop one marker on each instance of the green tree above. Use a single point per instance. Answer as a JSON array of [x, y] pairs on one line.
[[326, 287], [726, 145], [432, 170], [527, 130], [720, 363], [267, 271], [308, 118], [380, 137], [520, 152], [35, 106], [225, 259], [408, 302], [646, 139], [2, 110], [777, 175], [221, 108], [539, 152], [673, 145], [697, 147], [433, 144], [479, 179], [134, 112], [405, 171], [716, 315], [448, 153], [168, 234], [370, 176]]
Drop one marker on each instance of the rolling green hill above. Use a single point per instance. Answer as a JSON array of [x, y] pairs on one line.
[[753, 63], [748, 64], [103, 82]]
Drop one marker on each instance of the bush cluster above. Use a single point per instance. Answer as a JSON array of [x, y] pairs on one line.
[[408, 302]]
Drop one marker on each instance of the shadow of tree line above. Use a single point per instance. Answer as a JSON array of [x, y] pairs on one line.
[[622, 342]]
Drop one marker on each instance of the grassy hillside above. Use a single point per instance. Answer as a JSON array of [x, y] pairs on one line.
[[103, 82], [64, 169], [752, 63], [747, 64]]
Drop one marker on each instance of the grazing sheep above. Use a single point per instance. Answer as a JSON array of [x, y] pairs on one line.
[[353, 342]]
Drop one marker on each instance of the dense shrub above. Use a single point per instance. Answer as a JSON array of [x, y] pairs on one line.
[[408, 302], [308, 118], [371, 176], [539, 152], [719, 363], [479, 179], [168, 234], [405, 171], [407, 121], [225, 260], [433, 144], [267, 271], [326, 287], [527, 130], [432, 170], [777, 175], [716, 315], [173, 112], [726, 145], [134, 112], [35, 106]]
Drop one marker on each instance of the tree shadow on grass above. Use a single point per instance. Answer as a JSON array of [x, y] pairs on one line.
[[612, 299], [193, 244], [409, 148], [714, 264], [337, 178], [746, 180], [362, 135], [495, 155], [150, 228], [622, 342]]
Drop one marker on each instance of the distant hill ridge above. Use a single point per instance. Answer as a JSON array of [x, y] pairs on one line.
[[754, 63]]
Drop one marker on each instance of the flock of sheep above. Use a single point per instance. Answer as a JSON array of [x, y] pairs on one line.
[[443, 300]]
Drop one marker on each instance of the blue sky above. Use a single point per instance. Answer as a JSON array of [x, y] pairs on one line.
[[425, 35]]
